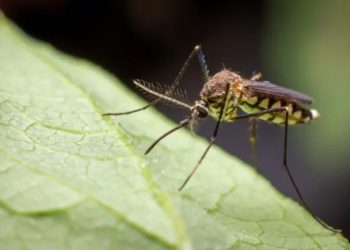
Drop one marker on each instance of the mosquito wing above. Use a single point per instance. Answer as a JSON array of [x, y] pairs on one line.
[[268, 88]]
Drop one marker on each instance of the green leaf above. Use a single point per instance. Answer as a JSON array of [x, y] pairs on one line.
[[71, 179]]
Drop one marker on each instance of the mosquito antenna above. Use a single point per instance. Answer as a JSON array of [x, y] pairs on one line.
[[182, 124], [197, 49], [301, 198], [142, 86]]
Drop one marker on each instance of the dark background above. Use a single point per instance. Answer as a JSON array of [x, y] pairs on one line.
[[296, 44]]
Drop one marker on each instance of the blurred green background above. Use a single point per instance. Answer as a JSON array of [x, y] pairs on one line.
[[308, 43], [302, 45]]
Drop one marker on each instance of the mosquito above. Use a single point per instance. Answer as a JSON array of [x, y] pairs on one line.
[[222, 95]]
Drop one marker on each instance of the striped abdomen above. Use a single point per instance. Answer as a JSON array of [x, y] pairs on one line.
[[296, 113]]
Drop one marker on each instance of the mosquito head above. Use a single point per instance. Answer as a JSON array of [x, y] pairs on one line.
[[200, 110]]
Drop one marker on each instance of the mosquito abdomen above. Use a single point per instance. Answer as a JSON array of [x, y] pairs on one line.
[[296, 113]]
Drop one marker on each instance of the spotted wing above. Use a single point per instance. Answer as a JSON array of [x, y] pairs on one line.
[[265, 87]]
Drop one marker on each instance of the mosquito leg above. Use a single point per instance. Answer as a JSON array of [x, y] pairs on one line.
[[257, 114], [252, 141], [205, 72], [285, 165], [211, 141], [182, 124], [202, 62], [196, 50]]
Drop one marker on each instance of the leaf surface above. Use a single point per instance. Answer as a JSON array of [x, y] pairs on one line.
[[71, 179]]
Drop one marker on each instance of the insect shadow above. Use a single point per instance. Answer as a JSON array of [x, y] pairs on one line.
[[221, 97]]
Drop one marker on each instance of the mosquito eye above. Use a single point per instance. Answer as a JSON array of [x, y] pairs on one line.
[[202, 111]]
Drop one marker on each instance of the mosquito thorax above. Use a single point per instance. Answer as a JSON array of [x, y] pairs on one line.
[[215, 87], [214, 92]]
